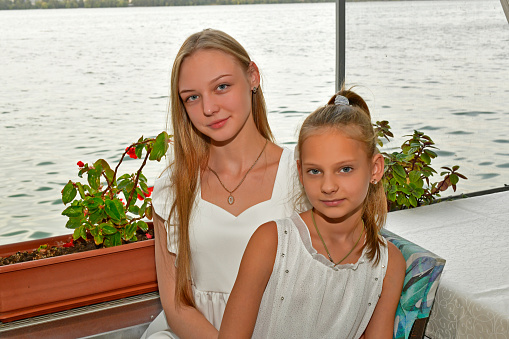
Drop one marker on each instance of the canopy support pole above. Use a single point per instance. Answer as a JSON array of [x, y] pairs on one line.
[[340, 43]]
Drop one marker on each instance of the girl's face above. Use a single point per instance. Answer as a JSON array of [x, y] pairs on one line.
[[216, 92], [336, 172]]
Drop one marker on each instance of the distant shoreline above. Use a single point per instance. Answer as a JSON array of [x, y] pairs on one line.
[[53, 4]]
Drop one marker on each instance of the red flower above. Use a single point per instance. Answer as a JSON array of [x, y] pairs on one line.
[[131, 152], [150, 189], [69, 244], [149, 236], [80, 164]]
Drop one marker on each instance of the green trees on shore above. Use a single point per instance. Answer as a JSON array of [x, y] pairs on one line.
[[44, 4]]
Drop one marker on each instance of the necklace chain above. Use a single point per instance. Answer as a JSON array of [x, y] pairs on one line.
[[231, 199], [325, 246]]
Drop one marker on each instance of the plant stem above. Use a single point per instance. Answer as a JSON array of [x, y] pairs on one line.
[[137, 178]]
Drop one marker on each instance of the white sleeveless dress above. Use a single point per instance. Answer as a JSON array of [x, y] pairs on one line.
[[308, 297], [218, 240]]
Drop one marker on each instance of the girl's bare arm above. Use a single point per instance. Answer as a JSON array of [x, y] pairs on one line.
[[381, 324], [255, 269], [185, 321]]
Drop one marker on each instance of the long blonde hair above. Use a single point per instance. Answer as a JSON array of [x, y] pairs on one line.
[[191, 148], [355, 121]]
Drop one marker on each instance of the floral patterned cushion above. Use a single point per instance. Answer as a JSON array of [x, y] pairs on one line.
[[421, 281]]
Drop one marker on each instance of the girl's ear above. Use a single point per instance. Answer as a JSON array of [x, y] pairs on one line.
[[378, 166], [299, 168], [253, 75]]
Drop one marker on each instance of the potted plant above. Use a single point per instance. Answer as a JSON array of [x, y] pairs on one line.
[[408, 171], [107, 211]]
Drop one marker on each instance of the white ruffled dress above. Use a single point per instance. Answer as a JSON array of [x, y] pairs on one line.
[[307, 296], [218, 240]]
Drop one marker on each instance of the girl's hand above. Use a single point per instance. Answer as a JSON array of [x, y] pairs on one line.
[[381, 324], [185, 321], [255, 269]]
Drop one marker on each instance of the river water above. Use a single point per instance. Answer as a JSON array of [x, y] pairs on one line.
[[81, 84]]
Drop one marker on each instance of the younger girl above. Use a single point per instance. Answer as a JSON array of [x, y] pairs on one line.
[[324, 273]]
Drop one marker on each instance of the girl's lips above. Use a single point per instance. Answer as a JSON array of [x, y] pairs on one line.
[[218, 123], [332, 203]]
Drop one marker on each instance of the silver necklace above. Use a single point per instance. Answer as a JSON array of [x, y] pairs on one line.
[[231, 199]]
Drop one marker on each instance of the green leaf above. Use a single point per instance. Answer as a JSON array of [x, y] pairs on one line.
[[98, 239], [454, 179], [107, 229], [401, 200], [455, 167], [412, 201], [81, 190], [73, 211], [121, 184], [404, 190], [109, 173], [425, 157], [116, 239], [143, 225], [83, 232], [414, 176], [114, 209], [94, 178], [431, 154], [138, 150], [400, 180], [130, 231], [141, 211], [108, 241], [134, 209], [160, 147], [399, 170], [149, 212], [96, 216], [68, 193], [76, 234], [143, 186], [94, 231], [74, 223], [93, 203], [102, 164]]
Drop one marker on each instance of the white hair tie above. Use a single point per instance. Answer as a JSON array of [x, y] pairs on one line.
[[341, 100]]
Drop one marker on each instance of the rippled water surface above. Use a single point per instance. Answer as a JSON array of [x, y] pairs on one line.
[[81, 84]]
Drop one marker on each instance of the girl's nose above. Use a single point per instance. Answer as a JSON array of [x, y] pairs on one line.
[[209, 106], [329, 185]]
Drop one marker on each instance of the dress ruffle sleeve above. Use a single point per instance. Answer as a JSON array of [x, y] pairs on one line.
[[161, 201]]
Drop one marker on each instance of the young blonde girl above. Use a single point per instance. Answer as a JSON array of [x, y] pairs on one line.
[[226, 178], [324, 273]]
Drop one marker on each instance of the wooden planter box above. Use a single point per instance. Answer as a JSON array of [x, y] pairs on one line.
[[60, 283]]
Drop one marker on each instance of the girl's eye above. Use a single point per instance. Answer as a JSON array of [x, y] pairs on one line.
[[314, 171], [191, 98], [346, 169], [222, 87]]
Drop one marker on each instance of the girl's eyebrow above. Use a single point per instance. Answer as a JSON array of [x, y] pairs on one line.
[[210, 82], [340, 163]]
